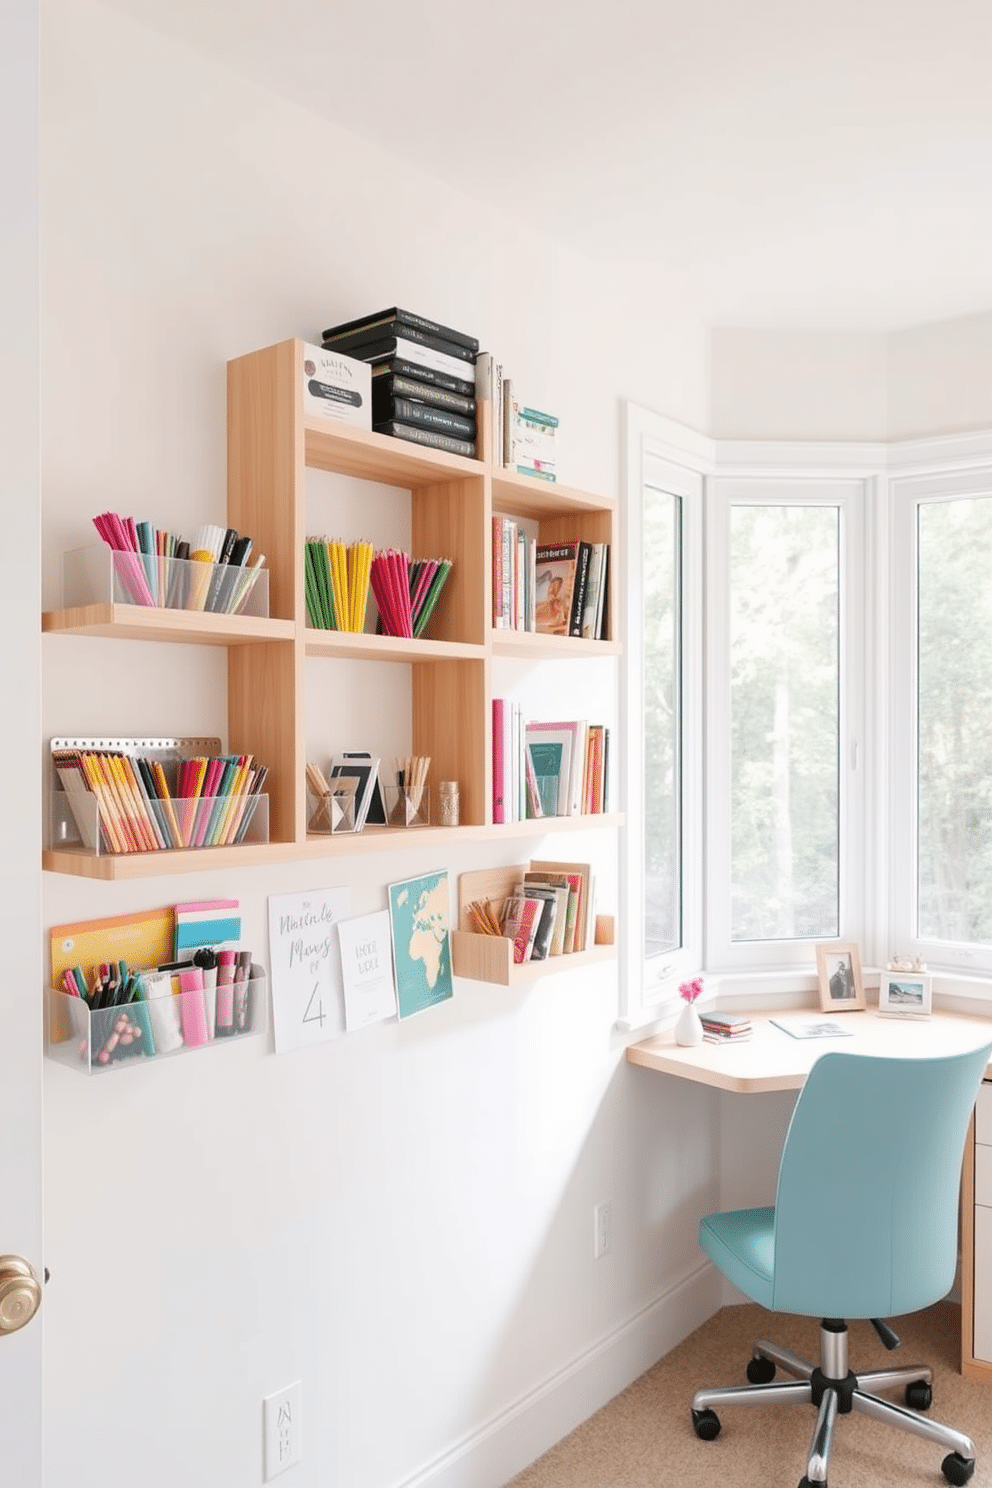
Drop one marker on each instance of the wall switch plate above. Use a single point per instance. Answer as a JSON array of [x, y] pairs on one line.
[[602, 1229], [282, 1429]]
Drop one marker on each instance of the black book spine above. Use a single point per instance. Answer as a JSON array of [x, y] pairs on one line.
[[579, 588], [405, 368], [352, 342], [423, 392], [409, 412], [432, 437], [407, 318]]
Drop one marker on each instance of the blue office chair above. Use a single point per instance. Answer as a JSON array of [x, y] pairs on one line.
[[864, 1225]]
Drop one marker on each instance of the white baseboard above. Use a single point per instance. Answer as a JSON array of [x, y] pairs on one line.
[[508, 1442]]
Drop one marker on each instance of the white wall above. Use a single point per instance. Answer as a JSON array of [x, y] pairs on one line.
[[20, 868], [797, 385], [930, 379], [401, 1219], [940, 378]]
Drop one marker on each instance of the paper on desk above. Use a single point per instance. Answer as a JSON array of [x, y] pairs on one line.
[[811, 1028]]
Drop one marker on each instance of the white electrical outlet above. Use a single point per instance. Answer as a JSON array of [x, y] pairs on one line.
[[282, 1429], [602, 1229]]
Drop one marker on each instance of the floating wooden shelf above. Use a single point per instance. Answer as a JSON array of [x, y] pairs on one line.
[[489, 958], [360, 647], [192, 627], [540, 647]]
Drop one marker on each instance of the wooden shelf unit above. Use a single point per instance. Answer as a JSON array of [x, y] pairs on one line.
[[271, 443], [489, 958]]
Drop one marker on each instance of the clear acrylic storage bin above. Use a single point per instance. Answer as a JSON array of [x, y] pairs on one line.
[[111, 1038], [99, 575], [331, 812], [208, 821], [407, 805]]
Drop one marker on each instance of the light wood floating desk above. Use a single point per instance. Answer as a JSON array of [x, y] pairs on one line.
[[772, 1060]]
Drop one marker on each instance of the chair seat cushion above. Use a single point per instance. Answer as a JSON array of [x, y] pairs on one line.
[[742, 1244]]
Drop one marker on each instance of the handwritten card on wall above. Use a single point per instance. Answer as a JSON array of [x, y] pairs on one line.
[[305, 966], [367, 967]]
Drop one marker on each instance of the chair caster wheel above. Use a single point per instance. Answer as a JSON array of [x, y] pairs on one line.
[[957, 1469], [760, 1371], [919, 1395], [707, 1425]]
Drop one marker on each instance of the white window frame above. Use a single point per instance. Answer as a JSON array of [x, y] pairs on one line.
[[786, 482], [930, 471], [878, 735], [675, 459]]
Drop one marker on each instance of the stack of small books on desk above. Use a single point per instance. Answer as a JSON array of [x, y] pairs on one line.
[[725, 1028], [423, 376]]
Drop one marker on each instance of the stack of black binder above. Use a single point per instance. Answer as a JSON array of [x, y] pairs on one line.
[[423, 376]]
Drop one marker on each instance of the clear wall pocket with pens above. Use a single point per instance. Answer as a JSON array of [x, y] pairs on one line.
[[95, 1039]]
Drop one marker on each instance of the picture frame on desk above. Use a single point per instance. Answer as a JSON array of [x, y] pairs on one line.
[[838, 967], [905, 994]]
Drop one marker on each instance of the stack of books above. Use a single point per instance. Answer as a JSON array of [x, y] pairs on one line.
[[423, 376], [547, 769], [550, 912], [570, 589], [725, 1028]]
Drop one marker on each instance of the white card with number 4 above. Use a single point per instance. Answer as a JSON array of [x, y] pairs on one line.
[[305, 966]]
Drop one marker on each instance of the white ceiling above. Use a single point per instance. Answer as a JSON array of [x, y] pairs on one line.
[[806, 163]]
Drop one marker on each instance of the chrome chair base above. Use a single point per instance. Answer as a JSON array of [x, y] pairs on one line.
[[835, 1390]]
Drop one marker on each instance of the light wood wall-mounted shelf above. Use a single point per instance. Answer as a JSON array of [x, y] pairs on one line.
[[271, 444], [489, 958]]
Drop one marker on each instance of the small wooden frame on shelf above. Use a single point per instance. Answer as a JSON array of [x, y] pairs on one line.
[[489, 958]]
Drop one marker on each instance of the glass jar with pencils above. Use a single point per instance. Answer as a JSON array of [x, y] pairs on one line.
[[407, 800]]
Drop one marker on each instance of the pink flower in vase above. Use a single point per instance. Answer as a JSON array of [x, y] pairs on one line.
[[689, 991]]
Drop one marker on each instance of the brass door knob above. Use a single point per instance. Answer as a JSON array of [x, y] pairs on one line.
[[20, 1293]]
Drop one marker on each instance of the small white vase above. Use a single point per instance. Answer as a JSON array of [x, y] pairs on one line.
[[688, 1027]]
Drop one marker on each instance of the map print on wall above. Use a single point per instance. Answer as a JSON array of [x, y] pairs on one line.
[[419, 913]]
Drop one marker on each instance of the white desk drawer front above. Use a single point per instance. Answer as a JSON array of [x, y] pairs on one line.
[[983, 1114], [982, 1335], [983, 1176]]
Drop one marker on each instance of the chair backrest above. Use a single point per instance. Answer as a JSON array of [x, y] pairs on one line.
[[867, 1205]]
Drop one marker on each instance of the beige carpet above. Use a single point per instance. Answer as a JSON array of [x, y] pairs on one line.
[[644, 1437]]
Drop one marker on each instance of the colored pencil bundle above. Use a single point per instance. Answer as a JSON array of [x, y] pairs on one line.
[[155, 566], [113, 985], [337, 583], [210, 803], [406, 590]]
